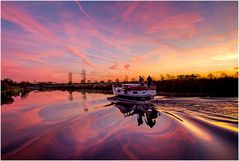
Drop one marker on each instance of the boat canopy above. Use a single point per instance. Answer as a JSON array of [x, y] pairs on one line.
[[130, 85], [137, 87]]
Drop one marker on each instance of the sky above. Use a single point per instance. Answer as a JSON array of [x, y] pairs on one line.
[[44, 41]]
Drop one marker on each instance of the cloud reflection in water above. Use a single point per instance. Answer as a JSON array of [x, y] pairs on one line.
[[49, 126]]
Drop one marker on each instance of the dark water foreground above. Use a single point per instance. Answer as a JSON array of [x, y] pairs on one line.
[[62, 125]]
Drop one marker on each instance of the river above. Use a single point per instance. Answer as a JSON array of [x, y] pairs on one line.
[[81, 125]]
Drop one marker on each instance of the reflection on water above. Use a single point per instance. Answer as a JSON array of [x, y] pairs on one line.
[[81, 125], [70, 97], [146, 112]]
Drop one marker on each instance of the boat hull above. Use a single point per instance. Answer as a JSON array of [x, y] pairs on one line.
[[134, 93], [135, 98]]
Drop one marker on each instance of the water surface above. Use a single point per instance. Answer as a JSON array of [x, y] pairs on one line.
[[79, 125]]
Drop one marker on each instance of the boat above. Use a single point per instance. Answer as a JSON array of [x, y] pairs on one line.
[[134, 91]]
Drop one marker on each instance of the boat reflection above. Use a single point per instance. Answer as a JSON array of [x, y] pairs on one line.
[[144, 110]]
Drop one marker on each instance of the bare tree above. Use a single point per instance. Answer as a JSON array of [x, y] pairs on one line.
[[181, 76], [83, 75], [198, 76], [224, 75], [117, 80], [126, 79], [169, 77], [236, 75], [133, 80], [70, 78]]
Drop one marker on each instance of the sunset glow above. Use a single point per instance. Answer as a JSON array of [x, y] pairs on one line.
[[44, 41]]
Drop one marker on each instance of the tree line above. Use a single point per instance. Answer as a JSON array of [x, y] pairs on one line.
[[188, 84]]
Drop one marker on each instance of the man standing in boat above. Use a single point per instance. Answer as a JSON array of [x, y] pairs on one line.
[[141, 81], [149, 81]]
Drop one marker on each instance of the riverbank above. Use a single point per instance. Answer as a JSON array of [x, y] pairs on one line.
[[203, 87], [220, 87]]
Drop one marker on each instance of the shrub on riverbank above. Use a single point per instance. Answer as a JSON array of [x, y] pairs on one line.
[[212, 87]]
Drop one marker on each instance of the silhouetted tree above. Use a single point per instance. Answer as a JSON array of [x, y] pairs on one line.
[[161, 77], [168, 76], [210, 76], [133, 80], [180, 77], [7, 83], [83, 75], [224, 75], [126, 79], [70, 78], [236, 75]]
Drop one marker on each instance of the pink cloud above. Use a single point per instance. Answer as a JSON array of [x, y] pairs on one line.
[[77, 53], [114, 67], [19, 72], [152, 18], [93, 30], [83, 11], [176, 27], [183, 21], [27, 22], [101, 58], [33, 59], [126, 66], [130, 9], [21, 18], [126, 13]]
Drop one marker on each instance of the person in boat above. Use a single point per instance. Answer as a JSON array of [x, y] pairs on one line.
[[140, 119], [149, 81], [140, 115], [141, 81], [150, 118]]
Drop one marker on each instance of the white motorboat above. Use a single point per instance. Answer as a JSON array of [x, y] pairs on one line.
[[135, 91]]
